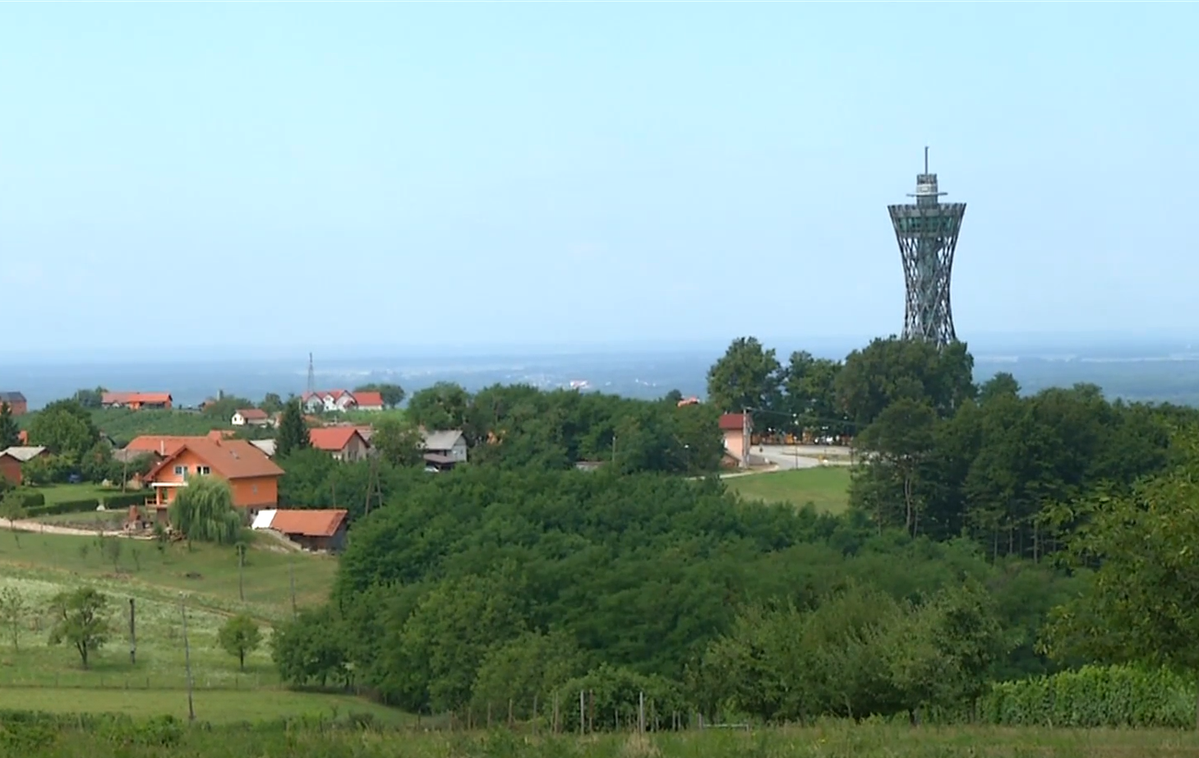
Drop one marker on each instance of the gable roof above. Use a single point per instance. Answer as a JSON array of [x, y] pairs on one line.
[[253, 414], [24, 453], [370, 399], [315, 523], [11, 397], [332, 438], [266, 446], [229, 459], [159, 444], [441, 440]]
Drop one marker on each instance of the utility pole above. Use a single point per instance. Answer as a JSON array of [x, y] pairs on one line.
[[745, 432], [187, 660], [132, 635]]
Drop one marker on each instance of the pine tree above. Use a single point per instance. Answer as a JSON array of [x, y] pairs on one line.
[[10, 432], [293, 432]]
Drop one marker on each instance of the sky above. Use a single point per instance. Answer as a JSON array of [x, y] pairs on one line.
[[179, 177]]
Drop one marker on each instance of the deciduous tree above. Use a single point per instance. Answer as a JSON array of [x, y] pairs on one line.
[[13, 610], [746, 376], [398, 442], [203, 511], [66, 428], [80, 618], [240, 636], [10, 431], [392, 394]]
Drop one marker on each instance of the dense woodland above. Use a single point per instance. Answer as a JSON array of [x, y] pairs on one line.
[[983, 543]]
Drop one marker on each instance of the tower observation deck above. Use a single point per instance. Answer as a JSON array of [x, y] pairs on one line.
[[927, 233]]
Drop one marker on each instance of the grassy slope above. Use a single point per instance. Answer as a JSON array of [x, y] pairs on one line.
[[43, 565], [123, 425], [826, 487]]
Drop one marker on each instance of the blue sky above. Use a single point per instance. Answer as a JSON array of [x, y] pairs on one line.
[[239, 175]]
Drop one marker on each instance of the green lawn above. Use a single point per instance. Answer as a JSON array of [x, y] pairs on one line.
[[60, 493], [825, 487]]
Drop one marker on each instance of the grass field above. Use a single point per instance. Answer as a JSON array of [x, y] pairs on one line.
[[42, 565], [825, 487]]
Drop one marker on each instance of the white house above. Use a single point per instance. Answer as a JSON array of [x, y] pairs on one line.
[[250, 417]]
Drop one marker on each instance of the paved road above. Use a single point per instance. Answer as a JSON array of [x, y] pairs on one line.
[[786, 458]]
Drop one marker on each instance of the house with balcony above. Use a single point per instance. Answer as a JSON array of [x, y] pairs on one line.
[[252, 476]]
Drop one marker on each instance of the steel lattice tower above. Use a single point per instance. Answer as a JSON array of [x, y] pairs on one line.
[[927, 232]]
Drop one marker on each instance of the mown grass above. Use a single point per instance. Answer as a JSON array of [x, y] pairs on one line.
[[825, 487], [61, 493]]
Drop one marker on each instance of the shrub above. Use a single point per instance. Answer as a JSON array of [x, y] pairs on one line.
[[1094, 696]]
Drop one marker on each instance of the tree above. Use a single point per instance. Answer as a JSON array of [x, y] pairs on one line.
[[399, 443], [80, 619], [392, 394], [445, 405], [1140, 605], [272, 403], [293, 431], [891, 369], [239, 636], [90, 399], [203, 511], [902, 438], [1002, 384], [747, 376], [13, 610], [10, 431], [311, 648], [811, 393], [66, 428], [12, 509]]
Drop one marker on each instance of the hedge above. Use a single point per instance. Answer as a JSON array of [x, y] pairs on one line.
[[1094, 696], [117, 501]]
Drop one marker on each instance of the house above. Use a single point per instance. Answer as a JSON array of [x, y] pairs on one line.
[[342, 442], [250, 417], [10, 467], [15, 401], [253, 477], [163, 445], [737, 429], [25, 453], [368, 401], [266, 446], [311, 530], [340, 401], [136, 401], [450, 444]]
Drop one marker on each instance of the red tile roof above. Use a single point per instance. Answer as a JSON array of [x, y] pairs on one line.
[[158, 443], [309, 523], [229, 459], [126, 398], [368, 399], [253, 414], [732, 422], [332, 438]]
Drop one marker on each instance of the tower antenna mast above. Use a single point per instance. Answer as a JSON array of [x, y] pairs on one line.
[[311, 376]]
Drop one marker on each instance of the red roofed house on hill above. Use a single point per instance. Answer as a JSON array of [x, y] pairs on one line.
[[136, 401], [737, 429], [252, 476], [339, 401], [312, 530], [345, 443]]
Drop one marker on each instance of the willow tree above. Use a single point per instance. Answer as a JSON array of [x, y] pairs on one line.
[[203, 511]]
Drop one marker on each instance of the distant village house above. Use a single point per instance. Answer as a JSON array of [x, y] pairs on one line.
[[252, 476], [340, 401], [16, 402], [344, 443], [250, 417], [136, 401], [737, 429], [444, 449]]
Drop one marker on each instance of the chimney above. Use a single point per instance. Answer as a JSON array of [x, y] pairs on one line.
[[162, 448]]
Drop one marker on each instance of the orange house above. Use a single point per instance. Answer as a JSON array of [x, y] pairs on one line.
[[253, 477], [136, 401]]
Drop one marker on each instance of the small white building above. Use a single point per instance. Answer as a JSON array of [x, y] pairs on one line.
[[250, 417]]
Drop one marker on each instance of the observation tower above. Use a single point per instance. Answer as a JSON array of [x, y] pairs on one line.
[[927, 233]]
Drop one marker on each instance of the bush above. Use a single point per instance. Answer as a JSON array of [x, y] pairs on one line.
[[33, 500], [123, 500], [1094, 696], [66, 506]]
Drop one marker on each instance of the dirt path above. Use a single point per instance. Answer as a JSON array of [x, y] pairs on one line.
[[40, 528]]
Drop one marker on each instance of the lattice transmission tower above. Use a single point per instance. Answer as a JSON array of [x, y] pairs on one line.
[[927, 232]]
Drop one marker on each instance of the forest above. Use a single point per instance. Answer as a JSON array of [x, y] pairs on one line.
[[993, 539]]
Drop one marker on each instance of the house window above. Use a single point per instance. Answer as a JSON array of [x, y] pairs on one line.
[[254, 489], [203, 470], [181, 471]]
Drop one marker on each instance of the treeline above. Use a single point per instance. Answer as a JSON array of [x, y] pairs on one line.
[[945, 457], [484, 586]]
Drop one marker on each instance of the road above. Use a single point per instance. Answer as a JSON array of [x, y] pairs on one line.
[[785, 457]]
